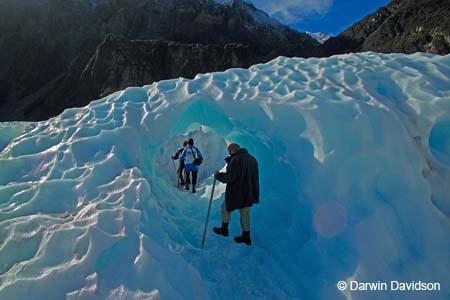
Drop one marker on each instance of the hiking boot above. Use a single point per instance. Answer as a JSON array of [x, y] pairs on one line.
[[244, 238], [193, 189], [186, 187], [222, 230]]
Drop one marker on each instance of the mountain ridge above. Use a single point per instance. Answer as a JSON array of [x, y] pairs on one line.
[[58, 40], [402, 26], [45, 55]]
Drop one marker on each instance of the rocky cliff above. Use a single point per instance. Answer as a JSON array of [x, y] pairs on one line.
[[119, 63], [405, 26], [51, 47]]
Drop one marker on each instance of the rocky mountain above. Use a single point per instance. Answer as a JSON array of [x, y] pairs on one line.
[[405, 26], [57, 54], [119, 63]]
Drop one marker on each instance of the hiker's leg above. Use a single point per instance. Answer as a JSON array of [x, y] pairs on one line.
[[181, 171], [188, 179], [194, 177], [226, 215], [245, 218], [245, 224]]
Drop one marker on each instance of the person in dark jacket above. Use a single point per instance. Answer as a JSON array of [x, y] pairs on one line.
[[191, 156], [181, 164], [242, 191]]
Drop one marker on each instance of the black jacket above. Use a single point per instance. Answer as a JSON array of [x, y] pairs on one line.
[[242, 179]]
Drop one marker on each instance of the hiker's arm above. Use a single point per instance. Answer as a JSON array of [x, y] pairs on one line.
[[177, 155], [183, 154], [230, 175]]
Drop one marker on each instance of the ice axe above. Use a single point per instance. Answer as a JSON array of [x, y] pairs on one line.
[[209, 210]]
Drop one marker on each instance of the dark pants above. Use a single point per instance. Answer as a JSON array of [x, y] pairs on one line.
[[194, 177], [180, 171]]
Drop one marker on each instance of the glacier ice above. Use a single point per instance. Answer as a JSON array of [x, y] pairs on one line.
[[354, 152]]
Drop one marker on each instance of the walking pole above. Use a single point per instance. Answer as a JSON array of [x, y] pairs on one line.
[[209, 210], [178, 175]]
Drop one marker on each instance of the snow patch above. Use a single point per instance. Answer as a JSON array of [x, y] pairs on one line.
[[319, 36]]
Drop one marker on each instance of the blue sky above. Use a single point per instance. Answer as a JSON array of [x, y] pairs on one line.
[[327, 16]]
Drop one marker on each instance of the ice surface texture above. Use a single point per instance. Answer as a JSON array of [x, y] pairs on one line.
[[354, 154]]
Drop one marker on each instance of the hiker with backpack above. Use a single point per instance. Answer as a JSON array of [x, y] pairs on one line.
[[242, 191], [192, 158], [181, 164]]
